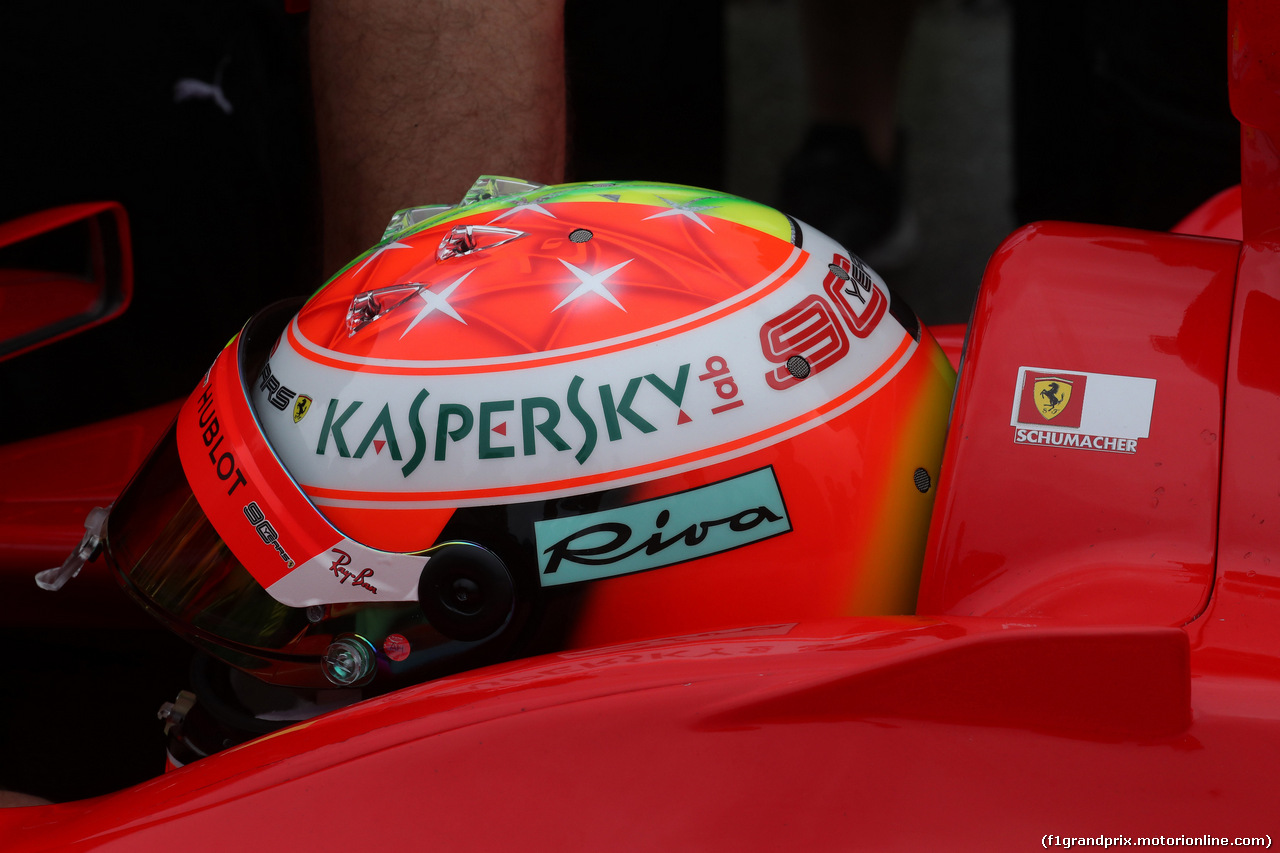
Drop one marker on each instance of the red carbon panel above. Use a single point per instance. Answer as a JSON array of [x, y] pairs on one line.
[[1239, 633], [1220, 216], [872, 734], [1044, 531]]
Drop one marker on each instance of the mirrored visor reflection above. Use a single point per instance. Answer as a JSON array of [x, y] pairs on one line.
[[170, 556]]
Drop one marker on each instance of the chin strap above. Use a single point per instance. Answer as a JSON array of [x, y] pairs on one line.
[[90, 545]]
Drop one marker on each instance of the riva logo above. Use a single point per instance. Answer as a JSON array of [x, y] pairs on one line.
[[661, 532], [503, 428]]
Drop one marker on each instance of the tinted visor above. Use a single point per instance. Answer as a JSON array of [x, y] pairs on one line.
[[169, 556], [196, 554]]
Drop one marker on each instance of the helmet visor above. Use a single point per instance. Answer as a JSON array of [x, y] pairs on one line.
[[216, 539], [170, 557]]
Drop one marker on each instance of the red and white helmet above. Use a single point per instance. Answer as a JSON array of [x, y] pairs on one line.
[[546, 417]]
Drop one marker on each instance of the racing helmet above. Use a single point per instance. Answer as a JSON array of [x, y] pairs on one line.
[[547, 417]]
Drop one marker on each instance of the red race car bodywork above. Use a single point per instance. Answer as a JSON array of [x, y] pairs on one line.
[[1096, 653]]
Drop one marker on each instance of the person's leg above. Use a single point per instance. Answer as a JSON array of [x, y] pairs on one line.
[[414, 100]]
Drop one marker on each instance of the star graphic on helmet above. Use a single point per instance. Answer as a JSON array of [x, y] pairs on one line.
[[438, 302], [524, 204], [592, 283], [378, 251], [687, 209]]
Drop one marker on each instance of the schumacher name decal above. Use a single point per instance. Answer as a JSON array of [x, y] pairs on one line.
[[1088, 411]]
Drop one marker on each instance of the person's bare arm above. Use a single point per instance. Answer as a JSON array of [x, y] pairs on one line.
[[414, 99]]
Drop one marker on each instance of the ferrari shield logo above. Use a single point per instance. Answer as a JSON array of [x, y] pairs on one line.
[[1051, 396], [301, 406]]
